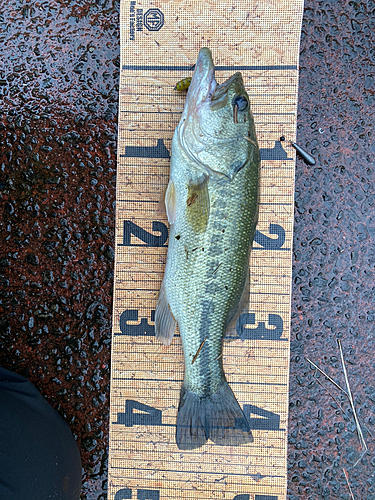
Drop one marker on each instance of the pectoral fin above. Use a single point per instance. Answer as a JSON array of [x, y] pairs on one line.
[[198, 204], [170, 202], [165, 324]]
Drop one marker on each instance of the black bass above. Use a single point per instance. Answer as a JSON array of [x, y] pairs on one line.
[[212, 208]]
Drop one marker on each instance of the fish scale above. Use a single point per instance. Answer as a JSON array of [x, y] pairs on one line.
[[212, 205]]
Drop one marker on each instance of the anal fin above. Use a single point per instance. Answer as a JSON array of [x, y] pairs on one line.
[[165, 324]]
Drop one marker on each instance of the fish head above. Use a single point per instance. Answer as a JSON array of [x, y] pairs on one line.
[[217, 127]]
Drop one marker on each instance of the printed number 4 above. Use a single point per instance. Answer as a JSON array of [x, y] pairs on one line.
[[126, 493], [257, 497], [137, 413]]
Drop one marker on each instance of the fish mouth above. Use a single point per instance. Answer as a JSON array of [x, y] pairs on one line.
[[204, 88], [203, 83]]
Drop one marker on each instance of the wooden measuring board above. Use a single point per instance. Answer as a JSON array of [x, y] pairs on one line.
[[159, 44]]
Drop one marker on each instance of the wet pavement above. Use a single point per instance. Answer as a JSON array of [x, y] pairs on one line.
[[58, 129], [334, 257]]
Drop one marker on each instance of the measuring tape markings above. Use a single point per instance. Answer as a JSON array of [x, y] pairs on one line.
[[153, 130]]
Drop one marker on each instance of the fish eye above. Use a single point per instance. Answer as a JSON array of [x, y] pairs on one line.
[[241, 102]]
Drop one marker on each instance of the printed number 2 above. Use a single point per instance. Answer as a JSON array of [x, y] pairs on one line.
[[126, 493], [150, 240], [271, 243], [153, 240]]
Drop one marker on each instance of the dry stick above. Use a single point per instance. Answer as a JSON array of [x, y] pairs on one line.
[[360, 434], [217, 268], [349, 417], [359, 430], [360, 458], [254, 143], [327, 376], [347, 481], [199, 350], [334, 399]]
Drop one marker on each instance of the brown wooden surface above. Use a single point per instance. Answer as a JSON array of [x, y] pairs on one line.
[[261, 39]]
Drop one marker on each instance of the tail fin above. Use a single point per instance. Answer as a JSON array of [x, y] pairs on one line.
[[218, 417]]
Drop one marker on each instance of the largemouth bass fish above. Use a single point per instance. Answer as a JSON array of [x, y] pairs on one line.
[[212, 208]]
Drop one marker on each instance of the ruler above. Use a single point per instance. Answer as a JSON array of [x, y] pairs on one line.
[[159, 45]]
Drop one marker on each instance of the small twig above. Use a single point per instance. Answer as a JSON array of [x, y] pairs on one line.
[[334, 399], [250, 140], [360, 458], [347, 482], [359, 430], [217, 269], [349, 396], [199, 350], [349, 417], [327, 376]]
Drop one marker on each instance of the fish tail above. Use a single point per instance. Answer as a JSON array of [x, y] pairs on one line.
[[217, 416]]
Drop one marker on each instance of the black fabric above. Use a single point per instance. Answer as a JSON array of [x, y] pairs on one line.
[[39, 458]]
